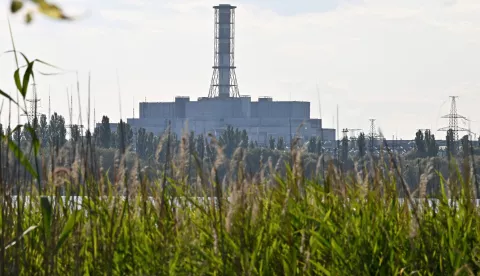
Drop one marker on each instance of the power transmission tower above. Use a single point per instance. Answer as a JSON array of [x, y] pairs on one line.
[[453, 117], [372, 135], [33, 105]]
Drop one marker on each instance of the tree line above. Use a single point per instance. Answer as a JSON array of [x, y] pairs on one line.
[[53, 132]]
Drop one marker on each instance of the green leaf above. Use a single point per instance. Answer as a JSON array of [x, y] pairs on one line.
[[337, 249], [67, 229], [52, 11], [28, 17], [31, 228], [20, 156], [47, 216], [26, 78], [17, 128], [15, 52], [16, 5], [8, 97], [16, 76], [321, 268]]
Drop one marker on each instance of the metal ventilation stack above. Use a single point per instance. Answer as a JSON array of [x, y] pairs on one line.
[[224, 80]]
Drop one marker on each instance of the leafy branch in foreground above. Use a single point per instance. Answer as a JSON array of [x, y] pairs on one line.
[[44, 7]]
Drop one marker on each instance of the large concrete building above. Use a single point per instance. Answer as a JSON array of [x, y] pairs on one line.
[[225, 106], [261, 119]]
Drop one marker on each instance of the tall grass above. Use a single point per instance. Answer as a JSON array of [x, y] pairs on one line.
[[262, 224]]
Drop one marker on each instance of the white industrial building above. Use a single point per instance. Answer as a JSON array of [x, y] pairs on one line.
[[225, 106]]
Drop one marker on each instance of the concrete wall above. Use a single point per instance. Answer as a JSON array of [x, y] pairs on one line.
[[258, 130], [215, 109], [270, 109], [157, 110]]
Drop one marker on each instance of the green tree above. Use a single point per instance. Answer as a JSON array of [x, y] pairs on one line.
[[465, 146], [124, 139], [141, 142], [88, 137], [361, 142], [244, 139], [281, 143], [451, 148], [114, 140], [200, 146], [43, 130], [318, 148], [229, 140], [345, 149], [150, 145], [191, 143], [26, 136], [420, 143], [312, 145], [430, 144], [271, 143], [75, 134], [57, 131], [105, 133]]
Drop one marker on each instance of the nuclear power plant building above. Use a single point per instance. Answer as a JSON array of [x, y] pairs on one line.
[[225, 106]]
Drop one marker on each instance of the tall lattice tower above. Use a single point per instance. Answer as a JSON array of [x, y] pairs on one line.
[[453, 117], [33, 102], [372, 135], [224, 80]]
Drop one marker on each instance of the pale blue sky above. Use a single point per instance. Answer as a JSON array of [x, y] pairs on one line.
[[396, 61]]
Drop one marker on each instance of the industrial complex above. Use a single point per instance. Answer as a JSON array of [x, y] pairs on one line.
[[226, 106]]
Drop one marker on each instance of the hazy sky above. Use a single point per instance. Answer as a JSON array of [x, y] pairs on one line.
[[396, 61]]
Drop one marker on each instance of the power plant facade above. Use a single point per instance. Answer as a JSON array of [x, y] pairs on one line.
[[225, 106]]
